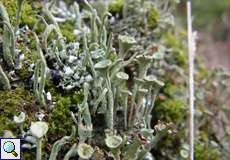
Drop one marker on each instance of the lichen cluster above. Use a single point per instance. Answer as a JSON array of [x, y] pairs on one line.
[[98, 80]]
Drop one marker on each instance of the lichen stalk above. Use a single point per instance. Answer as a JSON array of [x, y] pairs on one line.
[[40, 72], [4, 79], [72, 152], [78, 20], [153, 99], [110, 113], [18, 13], [125, 103], [8, 38], [99, 100], [52, 19], [39, 149]]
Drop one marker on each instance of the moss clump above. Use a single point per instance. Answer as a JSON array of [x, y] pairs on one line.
[[170, 108], [28, 14], [115, 6], [170, 89], [179, 49], [172, 41], [12, 102], [49, 86], [77, 98], [27, 46], [203, 72], [28, 155], [10, 6], [205, 152], [169, 146], [153, 17], [23, 72], [60, 121], [67, 31], [30, 57]]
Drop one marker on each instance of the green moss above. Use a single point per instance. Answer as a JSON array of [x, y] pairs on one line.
[[10, 6], [169, 146], [170, 89], [69, 2], [60, 121], [24, 72], [40, 29], [77, 98], [28, 15], [67, 31], [29, 11], [172, 41], [12, 102], [49, 86], [28, 155], [180, 57], [153, 17], [172, 106], [205, 152], [178, 47], [115, 6], [170, 110], [202, 70]]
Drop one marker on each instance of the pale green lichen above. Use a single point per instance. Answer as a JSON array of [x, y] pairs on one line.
[[113, 141], [39, 130], [4, 81], [85, 151], [40, 73], [8, 38], [60, 143], [109, 89]]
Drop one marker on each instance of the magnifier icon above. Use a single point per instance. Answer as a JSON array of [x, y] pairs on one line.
[[9, 147]]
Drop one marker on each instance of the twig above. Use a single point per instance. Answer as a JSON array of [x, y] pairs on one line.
[[191, 80]]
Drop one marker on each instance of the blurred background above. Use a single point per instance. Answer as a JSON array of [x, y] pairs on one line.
[[212, 21]]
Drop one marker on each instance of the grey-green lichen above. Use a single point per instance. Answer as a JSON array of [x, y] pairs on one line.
[[4, 81], [8, 38], [100, 82], [102, 73]]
